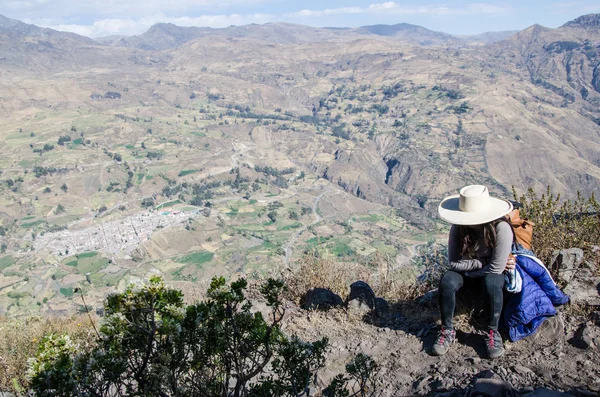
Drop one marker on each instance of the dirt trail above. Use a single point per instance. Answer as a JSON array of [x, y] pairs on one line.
[[319, 218]]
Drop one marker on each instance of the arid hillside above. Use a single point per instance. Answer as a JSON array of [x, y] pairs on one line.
[[191, 153]]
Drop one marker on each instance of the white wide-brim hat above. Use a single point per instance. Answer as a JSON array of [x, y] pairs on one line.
[[473, 206]]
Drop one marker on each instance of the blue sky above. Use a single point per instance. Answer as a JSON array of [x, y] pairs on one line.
[[104, 17]]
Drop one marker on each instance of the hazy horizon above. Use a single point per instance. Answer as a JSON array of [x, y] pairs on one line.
[[132, 17]]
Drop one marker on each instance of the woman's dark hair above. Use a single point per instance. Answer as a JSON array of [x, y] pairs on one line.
[[469, 236]]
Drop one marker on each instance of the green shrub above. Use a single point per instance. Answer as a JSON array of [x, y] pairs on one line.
[[51, 370], [152, 344], [362, 371], [560, 225]]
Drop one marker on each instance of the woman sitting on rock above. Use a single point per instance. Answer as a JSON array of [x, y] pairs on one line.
[[478, 250]]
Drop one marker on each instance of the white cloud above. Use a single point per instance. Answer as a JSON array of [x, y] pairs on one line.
[[393, 8], [325, 12], [383, 6], [119, 9]]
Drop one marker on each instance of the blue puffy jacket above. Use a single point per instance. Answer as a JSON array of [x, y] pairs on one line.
[[526, 311]]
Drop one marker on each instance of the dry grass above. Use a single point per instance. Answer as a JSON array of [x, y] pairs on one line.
[[19, 340], [316, 271]]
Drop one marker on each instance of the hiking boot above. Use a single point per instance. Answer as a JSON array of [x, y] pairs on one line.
[[443, 341], [494, 345]]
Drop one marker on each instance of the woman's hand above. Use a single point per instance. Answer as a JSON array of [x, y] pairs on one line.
[[510, 263]]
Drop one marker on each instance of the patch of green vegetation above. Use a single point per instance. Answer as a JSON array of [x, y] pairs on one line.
[[6, 261], [168, 204], [294, 225], [425, 237], [63, 220], [265, 246], [88, 262], [87, 255], [233, 211], [149, 177], [342, 250], [187, 172], [129, 146], [252, 201], [27, 163], [316, 241], [250, 227], [68, 292], [246, 214], [197, 258], [178, 274], [28, 218], [340, 246], [109, 279], [140, 178], [17, 295], [77, 141], [199, 134], [32, 224], [91, 265], [370, 218], [385, 249]]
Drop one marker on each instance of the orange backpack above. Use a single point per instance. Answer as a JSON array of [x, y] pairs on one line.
[[522, 228]]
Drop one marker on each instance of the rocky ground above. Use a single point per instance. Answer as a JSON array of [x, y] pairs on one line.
[[561, 359]]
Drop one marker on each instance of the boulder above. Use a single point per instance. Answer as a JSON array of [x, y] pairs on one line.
[[586, 337], [584, 288], [357, 307], [566, 262], [321, 299], [489, 384], [363, 293], [382, 307], [550, 332]]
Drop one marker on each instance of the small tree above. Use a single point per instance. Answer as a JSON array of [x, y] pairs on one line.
[[148, 202], [361, 372], [272, 216]]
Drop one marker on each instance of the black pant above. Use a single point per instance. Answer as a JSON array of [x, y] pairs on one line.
[[452, 281]]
